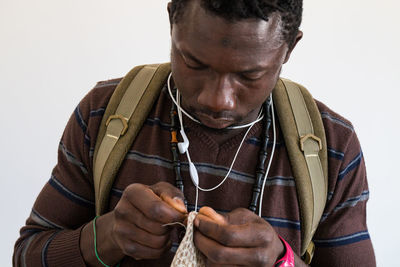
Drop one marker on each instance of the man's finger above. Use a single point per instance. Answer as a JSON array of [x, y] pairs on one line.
[[135, 234], [138, 251], [245, 235], [242, 216], [125, 211], [212, 214], [219, 254], [170, 194], [151, 205]]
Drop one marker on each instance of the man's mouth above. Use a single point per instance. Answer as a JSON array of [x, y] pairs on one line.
[[214, 122]]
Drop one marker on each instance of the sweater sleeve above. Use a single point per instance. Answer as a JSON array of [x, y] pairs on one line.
[[51, 236], [342, 238]]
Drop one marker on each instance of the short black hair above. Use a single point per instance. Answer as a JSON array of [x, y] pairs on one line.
[[290, 12]]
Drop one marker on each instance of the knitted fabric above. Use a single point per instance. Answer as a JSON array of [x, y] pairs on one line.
[[187, 254]]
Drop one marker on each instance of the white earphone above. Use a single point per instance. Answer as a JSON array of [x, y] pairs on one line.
[[183, 146]]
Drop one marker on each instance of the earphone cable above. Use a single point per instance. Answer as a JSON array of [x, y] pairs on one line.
[[250, 125]]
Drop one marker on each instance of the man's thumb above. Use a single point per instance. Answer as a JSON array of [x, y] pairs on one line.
[[170, 194], [176, 202]]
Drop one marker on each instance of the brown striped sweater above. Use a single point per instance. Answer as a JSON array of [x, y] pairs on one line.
[[66, 203]]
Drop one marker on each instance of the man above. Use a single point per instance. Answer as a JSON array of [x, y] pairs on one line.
[[226, 57]]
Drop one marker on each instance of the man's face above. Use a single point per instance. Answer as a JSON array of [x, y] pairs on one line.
[[225, 70]]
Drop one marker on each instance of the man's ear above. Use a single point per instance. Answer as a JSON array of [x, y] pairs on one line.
[[296, 40]]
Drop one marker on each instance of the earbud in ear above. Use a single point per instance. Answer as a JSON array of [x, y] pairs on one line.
[[183, 146]]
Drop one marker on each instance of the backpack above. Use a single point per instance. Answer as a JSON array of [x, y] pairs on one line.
[[299, 118]]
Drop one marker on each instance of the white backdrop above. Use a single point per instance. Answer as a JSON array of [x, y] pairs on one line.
[[53, 52]]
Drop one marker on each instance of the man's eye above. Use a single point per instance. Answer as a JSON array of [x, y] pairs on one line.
[[250, 77], [195, 67]]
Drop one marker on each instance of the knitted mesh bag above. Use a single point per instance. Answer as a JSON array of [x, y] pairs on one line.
[[187, 254]]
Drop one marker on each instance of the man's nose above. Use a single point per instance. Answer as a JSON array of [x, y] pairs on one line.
[[218, 94]]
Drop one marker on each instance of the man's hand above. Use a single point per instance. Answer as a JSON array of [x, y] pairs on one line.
[[135, 227], [237, 238]]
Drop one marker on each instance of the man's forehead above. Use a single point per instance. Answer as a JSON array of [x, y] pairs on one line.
[[198, 23]]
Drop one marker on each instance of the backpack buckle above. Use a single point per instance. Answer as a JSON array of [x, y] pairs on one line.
[[122, 119], [304, 138]]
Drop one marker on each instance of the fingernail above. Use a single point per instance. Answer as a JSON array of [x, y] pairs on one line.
[[179, 201], [196, 222]]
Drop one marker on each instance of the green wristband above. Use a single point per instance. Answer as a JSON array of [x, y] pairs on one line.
[[95, 244]]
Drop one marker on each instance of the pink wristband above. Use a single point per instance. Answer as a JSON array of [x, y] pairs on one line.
[[288, 259]]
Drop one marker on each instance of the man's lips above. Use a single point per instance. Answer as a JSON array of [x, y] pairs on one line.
[[212, 122]]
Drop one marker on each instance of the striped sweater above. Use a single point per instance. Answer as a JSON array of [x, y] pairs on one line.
[[66, 203]]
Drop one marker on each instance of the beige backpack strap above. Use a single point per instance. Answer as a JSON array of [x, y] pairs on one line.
[[307, 154], [124, 116]]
